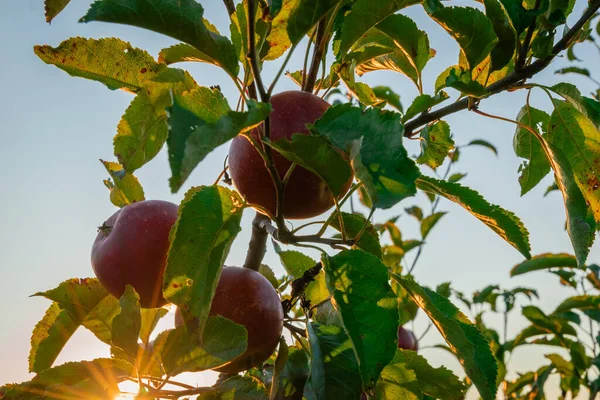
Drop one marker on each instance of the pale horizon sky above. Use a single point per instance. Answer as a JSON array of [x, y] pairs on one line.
[[54, 128]]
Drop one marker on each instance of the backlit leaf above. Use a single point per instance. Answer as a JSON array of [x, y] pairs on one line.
[[358, 283], [110, 61], [179, 19], [465, 340], [503, 222], [373, 138], [435, 144], [208, 222]]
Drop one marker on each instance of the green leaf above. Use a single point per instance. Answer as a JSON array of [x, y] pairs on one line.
[[542, 45], [581, 225], [566, 277], [547, 322], [149, 319], [363, 16], [483, 143], [239, 387], [181, 351], [49, 337], [278, 38], [416, 212], [387, 94], [429, 222], [573, 70], [75, 372], [124, 188], [397, 381], [181, 52], [334, 371], [317, 292], [527, 146], [294, 262], [208, 222], [504, 50], [423, 103], [582, 302], [358, 283], [545, 261], [376, 51], [353, 224], [143, 129], [239, 35], [503, 222], [465, 340], [373, 138], [200, 121], [306, 15], [316, 154], [111, 61], [519, 16], [361, 91], [436, 142], [462, 81], [579, 140], [294, 374], [268, 273], [126, 326], [413, 42], [179, 19], [590, 108], [455, 177], [439, 383], [472, 30], [53, 8], [87, 303]]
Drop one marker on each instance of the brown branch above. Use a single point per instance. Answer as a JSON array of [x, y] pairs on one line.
[[506, 82], [252, 55], [295, 329], [525, 46], [230, 6], [320, 45], [258, 244]]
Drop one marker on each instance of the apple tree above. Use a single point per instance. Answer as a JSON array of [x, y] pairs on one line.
[[332, 327]]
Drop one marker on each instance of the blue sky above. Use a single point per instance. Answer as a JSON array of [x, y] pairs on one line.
[[54, 128]]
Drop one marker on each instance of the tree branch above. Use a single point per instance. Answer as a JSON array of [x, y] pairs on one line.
[[525, 46], [506, 82], [258, 244], [320, 44], [230, 6], [252, 55], [295, 329]]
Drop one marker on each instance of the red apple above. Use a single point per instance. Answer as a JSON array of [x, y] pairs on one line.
[[131, 249], [247, 298], [306, 195], [407, 339]]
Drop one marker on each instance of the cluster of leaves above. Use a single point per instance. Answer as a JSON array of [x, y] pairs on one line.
[[591, 36], [352, 305], [569, 328]]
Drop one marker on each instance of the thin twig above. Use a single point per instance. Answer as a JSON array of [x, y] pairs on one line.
[[525, 46], [320, 44], [294, 329]]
